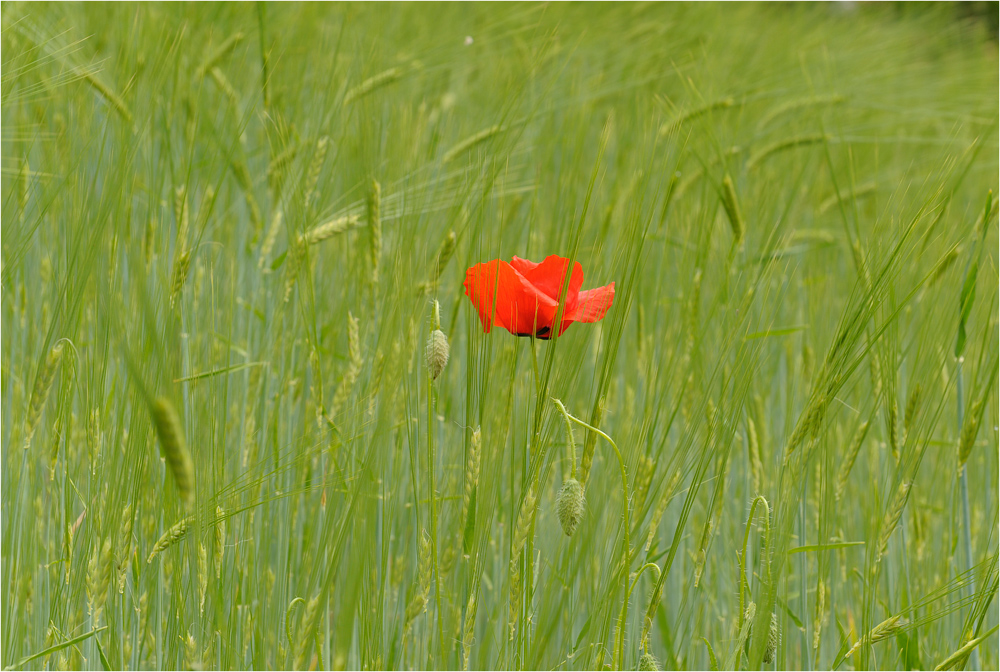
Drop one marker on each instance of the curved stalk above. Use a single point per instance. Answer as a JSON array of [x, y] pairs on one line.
[[620, 643]]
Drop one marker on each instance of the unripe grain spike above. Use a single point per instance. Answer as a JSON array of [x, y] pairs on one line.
[[40, 392], [177, 532], [732, 207], [175, 450]]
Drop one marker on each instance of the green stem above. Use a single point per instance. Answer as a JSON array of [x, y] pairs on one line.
[[635, 581], [620, 644], [963, 485], [569, 438], [433, 505], [534, 363]]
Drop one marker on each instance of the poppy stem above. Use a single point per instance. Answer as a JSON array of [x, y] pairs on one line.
[[534, 363], [569, 438], [619, 652], [432, 495]]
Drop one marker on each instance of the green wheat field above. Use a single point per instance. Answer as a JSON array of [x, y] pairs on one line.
[[231, 231]]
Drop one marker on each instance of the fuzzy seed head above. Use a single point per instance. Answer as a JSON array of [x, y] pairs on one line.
[[773, 637], [437, 353], [648, 662], [570, 505]]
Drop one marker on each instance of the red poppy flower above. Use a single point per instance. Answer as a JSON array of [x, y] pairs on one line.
[[523, 297]]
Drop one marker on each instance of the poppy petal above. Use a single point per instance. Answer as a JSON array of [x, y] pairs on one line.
[[592, 304], [548, 276], [516, 305]]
